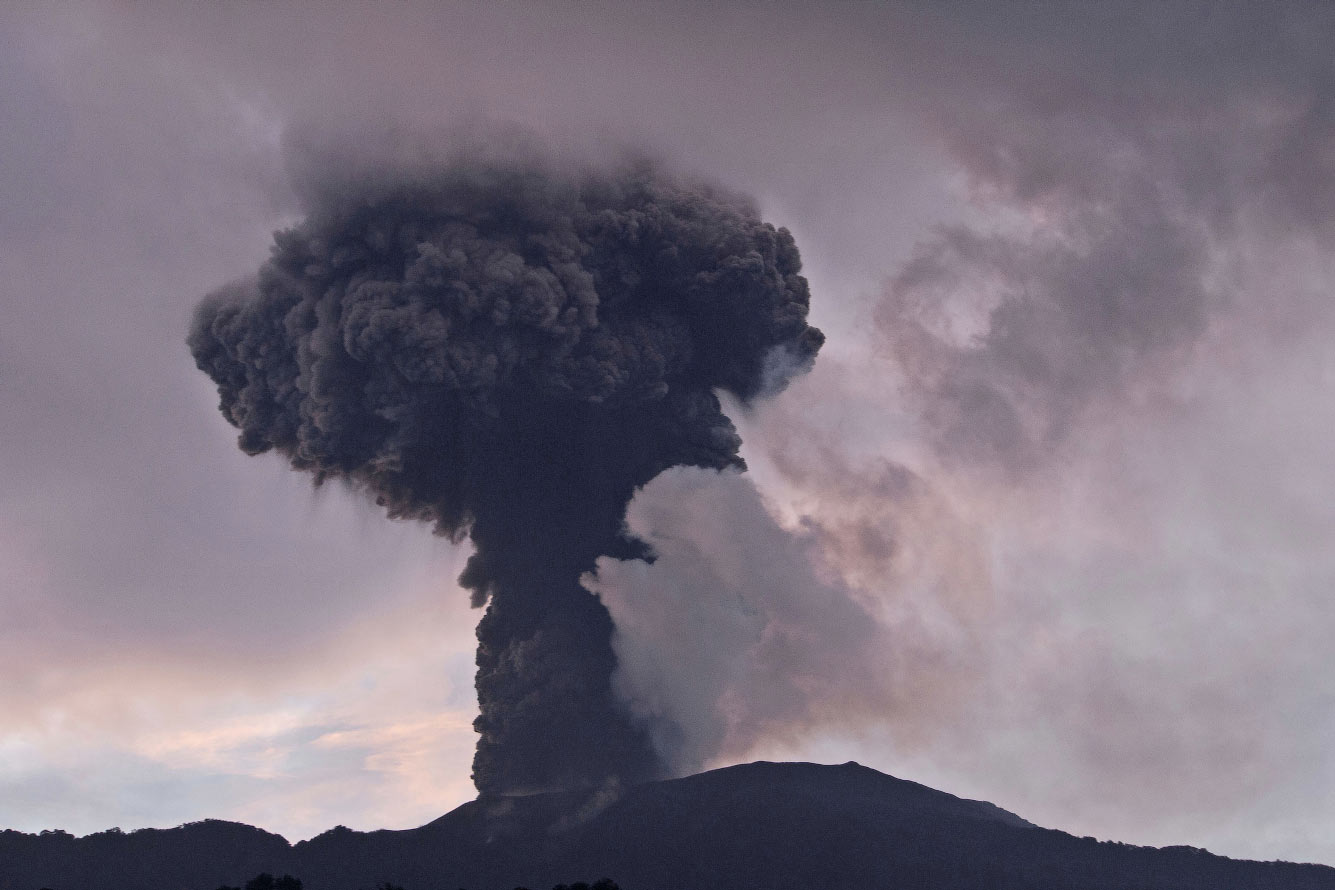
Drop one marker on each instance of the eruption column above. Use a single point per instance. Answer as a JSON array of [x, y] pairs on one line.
[[508, 350]]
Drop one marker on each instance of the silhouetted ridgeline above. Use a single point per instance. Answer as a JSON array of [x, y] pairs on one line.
[[767, 826]]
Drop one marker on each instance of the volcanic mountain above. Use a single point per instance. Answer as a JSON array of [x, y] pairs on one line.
[[776, 826]]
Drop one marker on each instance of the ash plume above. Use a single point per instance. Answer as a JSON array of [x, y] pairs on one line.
[[508, 349]]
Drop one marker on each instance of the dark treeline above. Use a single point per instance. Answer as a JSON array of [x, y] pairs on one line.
[[266, 881]]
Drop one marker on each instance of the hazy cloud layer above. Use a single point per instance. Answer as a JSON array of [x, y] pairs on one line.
[[1137, 270], [1122, 167]]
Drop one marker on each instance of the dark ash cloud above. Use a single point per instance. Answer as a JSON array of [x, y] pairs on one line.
[[507, 348]]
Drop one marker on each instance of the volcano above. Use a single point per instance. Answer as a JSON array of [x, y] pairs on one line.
[[779, 826]]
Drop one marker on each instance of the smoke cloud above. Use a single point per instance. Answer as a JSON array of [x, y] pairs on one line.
[[1006, 340], [1123, 171], [507, 347], [746, 632]]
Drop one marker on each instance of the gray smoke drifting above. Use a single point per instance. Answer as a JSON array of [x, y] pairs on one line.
[[508, 349], [744, 632], [1123, 160], [1007, 340]]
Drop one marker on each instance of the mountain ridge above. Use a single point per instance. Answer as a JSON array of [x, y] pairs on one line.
[[779, 826]]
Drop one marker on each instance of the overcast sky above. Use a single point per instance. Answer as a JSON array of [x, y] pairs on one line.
[[1052, 513]]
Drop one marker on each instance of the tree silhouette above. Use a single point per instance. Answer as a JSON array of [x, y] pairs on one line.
[[266, 881]]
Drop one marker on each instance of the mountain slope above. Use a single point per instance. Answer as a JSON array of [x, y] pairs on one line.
[[778, 826]]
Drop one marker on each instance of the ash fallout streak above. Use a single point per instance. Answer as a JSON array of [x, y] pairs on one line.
[[508, 350]]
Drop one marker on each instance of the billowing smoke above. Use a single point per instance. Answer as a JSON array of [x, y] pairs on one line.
[[508, 349], [745, 633]]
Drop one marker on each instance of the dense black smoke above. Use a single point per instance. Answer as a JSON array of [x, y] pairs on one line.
[[508, 350]]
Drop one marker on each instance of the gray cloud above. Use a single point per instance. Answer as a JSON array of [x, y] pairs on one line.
[[1144, 238], [1122, 157], [1006, 340], [734, 634]]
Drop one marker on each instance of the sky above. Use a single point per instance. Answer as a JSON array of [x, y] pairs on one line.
[[1047, 524]]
